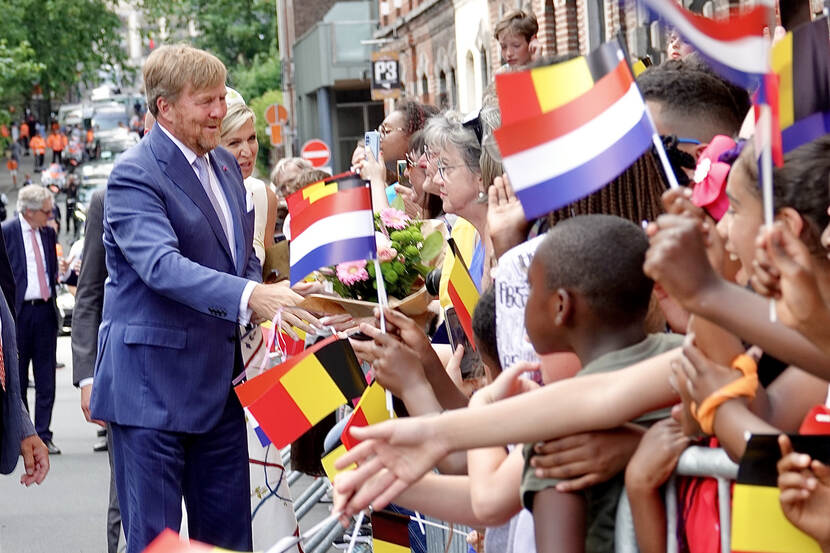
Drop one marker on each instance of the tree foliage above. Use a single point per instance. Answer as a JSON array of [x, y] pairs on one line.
[[17, 65], [259, 105], [70, 40], [234, 30]]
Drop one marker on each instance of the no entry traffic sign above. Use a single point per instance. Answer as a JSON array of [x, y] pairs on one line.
[[316, 152]]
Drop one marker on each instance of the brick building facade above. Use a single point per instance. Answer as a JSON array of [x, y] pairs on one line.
[[422, 32]]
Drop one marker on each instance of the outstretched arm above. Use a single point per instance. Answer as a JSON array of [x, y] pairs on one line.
[[394, 454]]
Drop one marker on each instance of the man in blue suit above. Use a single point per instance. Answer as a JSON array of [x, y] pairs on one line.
[[178, 235], [30, 244], [17, 434]]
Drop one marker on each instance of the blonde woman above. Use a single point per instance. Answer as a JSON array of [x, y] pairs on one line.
[[272, 511], [239, 138]]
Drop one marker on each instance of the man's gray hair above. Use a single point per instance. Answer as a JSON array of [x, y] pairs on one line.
[[32, 196]]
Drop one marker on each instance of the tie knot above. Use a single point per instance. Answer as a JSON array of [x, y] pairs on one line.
[[201, 166]]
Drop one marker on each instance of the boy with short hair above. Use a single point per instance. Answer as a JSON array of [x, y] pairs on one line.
[[589, 296], [516, 34]]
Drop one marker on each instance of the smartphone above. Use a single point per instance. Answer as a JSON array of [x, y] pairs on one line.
[[371, 141], [401, 170], [471, 365]]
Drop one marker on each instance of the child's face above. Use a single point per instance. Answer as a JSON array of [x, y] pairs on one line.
[[515, 49], [743, 218]]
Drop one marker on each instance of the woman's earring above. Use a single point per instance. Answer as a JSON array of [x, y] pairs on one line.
[[482, 197]]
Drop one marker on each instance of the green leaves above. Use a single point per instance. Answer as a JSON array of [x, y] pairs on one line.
[[56, 43], [433, 244]]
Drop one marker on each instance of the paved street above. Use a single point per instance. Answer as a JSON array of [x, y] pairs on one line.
[[67, 513]]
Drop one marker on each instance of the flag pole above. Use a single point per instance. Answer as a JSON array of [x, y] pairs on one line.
[[661, 154], [766, 129], [383, 302]]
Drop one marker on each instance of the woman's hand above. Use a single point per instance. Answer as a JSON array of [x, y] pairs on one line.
[[371, 168], [397, 367], [506, 223]]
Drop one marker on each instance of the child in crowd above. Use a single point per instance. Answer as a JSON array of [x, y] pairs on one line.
[[516, 34], [577, 305]]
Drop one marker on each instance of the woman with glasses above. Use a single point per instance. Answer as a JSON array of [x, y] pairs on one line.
[[453, 157], [239, 138], [395, 131], [417, 202]]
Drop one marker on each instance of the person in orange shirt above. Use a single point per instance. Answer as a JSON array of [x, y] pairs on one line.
[[11, 165], [90, 143], [38, 146], [56, 141], [24, 136]]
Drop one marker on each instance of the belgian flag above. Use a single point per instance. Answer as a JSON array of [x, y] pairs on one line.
[[390, 532], [309, 194], [758, 522], [292, 397], [801, 64], [462, 291]]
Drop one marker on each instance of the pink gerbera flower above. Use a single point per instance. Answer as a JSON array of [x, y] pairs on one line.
[[394, 218], [352, 271]]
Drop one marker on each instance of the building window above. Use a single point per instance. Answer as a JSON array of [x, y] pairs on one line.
[[453, 89], [443, 93], [548, 32], [485, 68], [425, 88], [470, 80]]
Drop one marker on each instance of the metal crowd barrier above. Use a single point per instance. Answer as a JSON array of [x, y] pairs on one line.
[[695, 461]]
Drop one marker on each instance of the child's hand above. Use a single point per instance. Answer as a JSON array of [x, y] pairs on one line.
[[656, 457], [805, 492], [703, 376], [784, 270], [678, 201], [586, 459], [677, 258], [508, 383]]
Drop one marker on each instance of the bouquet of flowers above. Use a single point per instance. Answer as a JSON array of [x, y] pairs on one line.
[[406, 256]]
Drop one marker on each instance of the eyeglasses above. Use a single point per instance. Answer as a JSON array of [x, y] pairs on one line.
[[442, 169], [384, 130], [412, 159], [432, 157]]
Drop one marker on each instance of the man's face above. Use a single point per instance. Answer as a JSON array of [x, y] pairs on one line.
[[667, 125], [196, 117], [38, 218]]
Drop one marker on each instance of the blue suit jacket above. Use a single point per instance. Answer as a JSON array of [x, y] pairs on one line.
[[13, 234], [171, 302], [16, 422]]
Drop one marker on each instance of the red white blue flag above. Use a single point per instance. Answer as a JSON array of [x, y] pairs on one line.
[[570, 128], [331, 222], [735, 48]]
